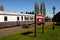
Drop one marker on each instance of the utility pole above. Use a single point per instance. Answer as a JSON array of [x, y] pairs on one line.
[[53, 16]]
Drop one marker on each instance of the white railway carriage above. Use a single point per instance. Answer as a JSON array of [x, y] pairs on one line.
[[8, 19]]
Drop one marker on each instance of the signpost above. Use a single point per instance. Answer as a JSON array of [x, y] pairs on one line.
[[40, 19]]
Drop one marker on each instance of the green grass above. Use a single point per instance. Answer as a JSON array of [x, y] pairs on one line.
[[49, 34]]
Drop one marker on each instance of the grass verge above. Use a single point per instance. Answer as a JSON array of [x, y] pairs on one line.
[[49, 34]]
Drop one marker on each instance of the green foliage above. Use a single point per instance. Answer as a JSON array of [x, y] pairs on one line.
[[36, 8], [56, 17], [30, 12], [49, 34], [1, 8], [43, 9]]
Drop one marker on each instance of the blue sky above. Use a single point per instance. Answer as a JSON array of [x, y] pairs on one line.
[[28, 5]]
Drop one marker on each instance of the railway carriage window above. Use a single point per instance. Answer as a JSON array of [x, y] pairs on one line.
[[5, 18], [21, 17], [26, 18], [17, 18], [31, 18]]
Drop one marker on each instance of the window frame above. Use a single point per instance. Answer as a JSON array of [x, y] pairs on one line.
[[17, 18], [5, 18], [31, 17], [26, 17], [22, 18]]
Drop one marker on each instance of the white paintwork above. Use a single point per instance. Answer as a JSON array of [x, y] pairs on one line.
[[19, 18], [39, 17], [29, 18], [1, 18], [13, 16], [23, 18], [12, 13]]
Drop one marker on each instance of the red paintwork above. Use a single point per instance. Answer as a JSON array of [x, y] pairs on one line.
[[39, 18]]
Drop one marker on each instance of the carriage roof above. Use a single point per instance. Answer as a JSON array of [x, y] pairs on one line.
[[15, 13]]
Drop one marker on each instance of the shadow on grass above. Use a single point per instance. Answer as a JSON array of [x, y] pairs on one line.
[[26, 33], [57, 24]]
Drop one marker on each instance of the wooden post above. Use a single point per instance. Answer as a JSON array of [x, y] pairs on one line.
[[43, 28], [53, 25], [35, 27]]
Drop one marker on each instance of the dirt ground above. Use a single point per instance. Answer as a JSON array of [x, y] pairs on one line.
[[12, 30]]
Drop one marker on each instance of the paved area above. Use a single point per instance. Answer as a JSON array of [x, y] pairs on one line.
[[12, 30]]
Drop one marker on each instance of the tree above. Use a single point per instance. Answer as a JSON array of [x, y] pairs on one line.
[[32, 12], [56, 18], [36, 8], [1, 8], [26, 12], [43, 9], [46, 19], [21, 12]]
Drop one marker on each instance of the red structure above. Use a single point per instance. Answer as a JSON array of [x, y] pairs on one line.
[[39, 18]]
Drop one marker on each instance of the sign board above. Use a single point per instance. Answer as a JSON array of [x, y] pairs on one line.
[[39, 18]]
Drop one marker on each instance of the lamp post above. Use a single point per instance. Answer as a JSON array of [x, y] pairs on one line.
[[53, 16]]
